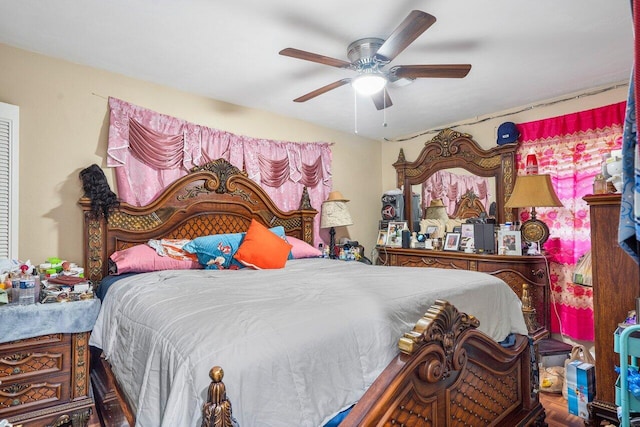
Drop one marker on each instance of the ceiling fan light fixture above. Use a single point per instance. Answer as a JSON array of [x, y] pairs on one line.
[[368, 84]]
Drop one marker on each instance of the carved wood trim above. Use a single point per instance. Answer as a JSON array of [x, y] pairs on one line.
[[80, 365], [453, 149]]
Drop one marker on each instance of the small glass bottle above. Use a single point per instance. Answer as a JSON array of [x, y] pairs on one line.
[[599, 184]]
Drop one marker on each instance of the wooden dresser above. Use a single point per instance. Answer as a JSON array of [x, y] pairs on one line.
[[44, 381], [615, 289], [514, 270]]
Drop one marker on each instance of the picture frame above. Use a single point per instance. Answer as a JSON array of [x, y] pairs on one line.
[[451, 242], [431, 229], [382, 238], [509, 242], [394, 233], [466, 234]]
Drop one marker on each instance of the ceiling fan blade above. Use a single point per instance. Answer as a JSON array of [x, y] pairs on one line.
[[451, 71], [314, 57], [416, 23], [322, 90], [382, 100]]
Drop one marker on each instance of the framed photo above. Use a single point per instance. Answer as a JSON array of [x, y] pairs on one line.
[[431, 229], [394, 233], [466, 233], [382, 238], [451, 242], [509, 242]]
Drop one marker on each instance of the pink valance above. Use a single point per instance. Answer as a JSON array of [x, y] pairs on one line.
[[450, 187], [594, 119], [151, 150]]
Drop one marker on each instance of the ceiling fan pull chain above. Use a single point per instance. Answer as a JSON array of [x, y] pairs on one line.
[[355, 111], [384, 110]]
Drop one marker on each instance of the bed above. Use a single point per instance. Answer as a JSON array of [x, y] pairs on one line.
[[297, 344]]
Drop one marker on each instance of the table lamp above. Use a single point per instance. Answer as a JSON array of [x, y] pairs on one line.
[[334, 214], [533, 191]]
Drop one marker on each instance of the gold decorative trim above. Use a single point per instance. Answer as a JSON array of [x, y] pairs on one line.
[[80, 368]]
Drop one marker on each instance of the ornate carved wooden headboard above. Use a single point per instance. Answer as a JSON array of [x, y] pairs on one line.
[[213, 199]]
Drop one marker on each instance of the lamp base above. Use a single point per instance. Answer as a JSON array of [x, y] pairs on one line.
[[535, 231], [332, 243]]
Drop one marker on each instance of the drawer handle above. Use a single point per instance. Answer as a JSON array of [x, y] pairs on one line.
[[17, 370], [540, 273], [15, 402]]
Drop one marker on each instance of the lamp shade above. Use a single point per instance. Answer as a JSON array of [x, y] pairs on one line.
[[533, 191], [335, 214]]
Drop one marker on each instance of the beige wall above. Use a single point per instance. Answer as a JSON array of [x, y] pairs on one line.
[[64, 125], [485, 131]]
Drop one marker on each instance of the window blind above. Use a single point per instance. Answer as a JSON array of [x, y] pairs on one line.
[[8, 181]]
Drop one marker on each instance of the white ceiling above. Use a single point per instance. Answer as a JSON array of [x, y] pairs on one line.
[[521, 51]]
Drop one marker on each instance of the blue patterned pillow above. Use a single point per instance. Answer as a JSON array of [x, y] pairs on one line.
[[215, 252]]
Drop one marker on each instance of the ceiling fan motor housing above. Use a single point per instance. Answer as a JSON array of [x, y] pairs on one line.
[[362, 52]]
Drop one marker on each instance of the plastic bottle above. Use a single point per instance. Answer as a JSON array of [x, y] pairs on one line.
[[27, 287], [531, 164]]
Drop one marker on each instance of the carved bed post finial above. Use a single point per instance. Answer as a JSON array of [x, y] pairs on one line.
[[217, 410]]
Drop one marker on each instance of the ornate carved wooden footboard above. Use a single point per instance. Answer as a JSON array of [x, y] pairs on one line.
[[447, 374]]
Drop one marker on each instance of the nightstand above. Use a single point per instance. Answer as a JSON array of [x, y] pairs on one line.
[[44, 379]]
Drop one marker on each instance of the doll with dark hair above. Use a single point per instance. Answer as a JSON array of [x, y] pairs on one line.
[[96, 188]]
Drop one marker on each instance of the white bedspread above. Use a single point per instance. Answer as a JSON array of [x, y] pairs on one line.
[[296, 344]]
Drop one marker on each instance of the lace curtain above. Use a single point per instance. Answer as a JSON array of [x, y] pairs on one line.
[[450, 187], [570, 148], [150, 150]]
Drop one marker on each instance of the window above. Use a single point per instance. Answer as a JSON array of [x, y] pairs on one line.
[[9, 127]]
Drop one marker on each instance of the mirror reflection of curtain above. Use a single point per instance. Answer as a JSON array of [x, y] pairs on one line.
[[570, 148], [450, 187], [150, 150]]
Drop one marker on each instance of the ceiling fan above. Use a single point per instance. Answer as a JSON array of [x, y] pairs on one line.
[[369, 57]]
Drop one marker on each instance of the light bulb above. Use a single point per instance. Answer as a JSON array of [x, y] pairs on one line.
[[368, 84]]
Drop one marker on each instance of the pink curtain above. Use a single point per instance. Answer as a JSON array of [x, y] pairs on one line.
[[450, 187], [151, 150], [570, 148]]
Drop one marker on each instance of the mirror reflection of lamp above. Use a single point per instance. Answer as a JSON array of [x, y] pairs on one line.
[[533, 191], [334, 214]]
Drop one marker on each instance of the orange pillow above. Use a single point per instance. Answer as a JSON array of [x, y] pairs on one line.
[[262, 249]]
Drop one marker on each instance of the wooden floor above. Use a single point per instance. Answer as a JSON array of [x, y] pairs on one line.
[[557, 413]]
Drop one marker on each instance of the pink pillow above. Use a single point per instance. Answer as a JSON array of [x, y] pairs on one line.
[[143, 258], [302, 249]]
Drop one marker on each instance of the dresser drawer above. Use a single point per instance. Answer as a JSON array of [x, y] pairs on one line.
[[36, 342], [19, 397], [25, 363]]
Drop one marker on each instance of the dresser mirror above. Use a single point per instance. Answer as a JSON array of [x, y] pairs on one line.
[[453, 151]]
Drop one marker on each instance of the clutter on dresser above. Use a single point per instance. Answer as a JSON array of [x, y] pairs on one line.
[[55, 280]]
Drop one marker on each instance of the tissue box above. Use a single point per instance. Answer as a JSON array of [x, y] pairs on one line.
[[581, 387]]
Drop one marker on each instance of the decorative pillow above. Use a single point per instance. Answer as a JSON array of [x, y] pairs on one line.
[[172, 248], [262, 248], [302, 249], [143, 258], [215, 252]]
